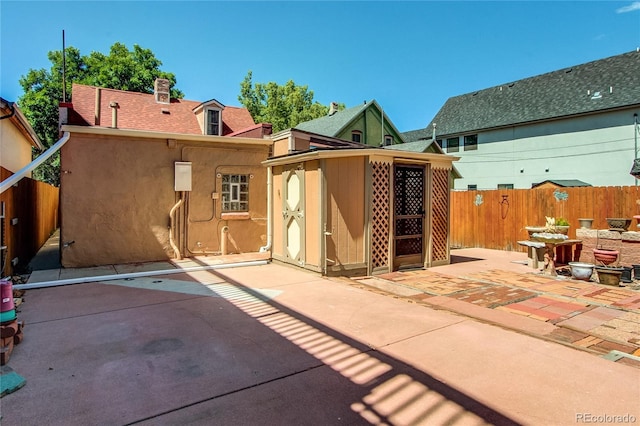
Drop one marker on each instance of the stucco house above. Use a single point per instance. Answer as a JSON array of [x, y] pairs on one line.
[[145, 177], [340, 207], [365, 124], [579, 122]]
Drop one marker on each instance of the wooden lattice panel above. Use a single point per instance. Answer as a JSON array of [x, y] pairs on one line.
[[440, 214], [380, 215]]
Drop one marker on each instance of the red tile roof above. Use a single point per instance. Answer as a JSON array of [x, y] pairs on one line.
[[140, 111]]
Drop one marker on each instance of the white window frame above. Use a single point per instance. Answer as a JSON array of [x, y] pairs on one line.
[[207, 124], [470, 146], [453, 149], [357, 133], [234, 187]]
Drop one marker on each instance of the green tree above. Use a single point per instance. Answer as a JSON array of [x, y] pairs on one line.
[[284, 106], [122, 69]]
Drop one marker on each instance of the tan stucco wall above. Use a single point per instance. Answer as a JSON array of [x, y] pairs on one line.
[[15, 149], [116, 194]]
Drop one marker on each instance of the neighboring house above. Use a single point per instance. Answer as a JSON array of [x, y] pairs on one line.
[[23, 217], [145, 177], [365, 124], [425, 146], [17, 138], [342, 208], [579, 122], [560, 183]]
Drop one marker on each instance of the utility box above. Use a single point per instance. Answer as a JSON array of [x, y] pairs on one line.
[[182, 176]]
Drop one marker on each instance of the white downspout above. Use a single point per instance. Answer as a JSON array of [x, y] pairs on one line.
[[267, 247], [14, 178]]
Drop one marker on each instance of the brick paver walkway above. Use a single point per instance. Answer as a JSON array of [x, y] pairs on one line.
[[596, 317]]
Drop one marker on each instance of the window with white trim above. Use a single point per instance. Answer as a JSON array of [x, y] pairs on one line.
[[356, 136], [471, 142], [505, 186], [214, 122], [453, 144], [235, 193]]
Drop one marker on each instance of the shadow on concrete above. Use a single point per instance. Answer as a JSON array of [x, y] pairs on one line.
[[48, 257], [373, 388], [463, 259]]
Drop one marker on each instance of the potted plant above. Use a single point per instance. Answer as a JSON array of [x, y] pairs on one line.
[[562, 225]]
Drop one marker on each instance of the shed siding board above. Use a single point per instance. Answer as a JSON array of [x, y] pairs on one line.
[[345, 211], [278, 242], [117, 193], [312, 213]]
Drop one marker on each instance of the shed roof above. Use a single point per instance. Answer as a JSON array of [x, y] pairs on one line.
[[600, 85]]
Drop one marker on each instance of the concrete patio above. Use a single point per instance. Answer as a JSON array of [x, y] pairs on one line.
[[271, 344]]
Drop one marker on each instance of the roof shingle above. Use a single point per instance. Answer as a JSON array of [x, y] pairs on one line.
[[140, 111], [600, 85]]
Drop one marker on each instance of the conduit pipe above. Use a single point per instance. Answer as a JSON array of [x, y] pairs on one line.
[[83, 280], [14, 178], [171, 225], [223, 239], [267, 247]]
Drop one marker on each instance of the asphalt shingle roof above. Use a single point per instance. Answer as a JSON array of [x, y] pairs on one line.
[[330, 125], [140, 111], [566, 183], [600, 85]]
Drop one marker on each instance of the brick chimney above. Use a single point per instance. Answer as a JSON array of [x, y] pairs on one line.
[[161, 89]]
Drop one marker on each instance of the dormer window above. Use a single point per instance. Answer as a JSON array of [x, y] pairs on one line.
[[356, 136], [213, 124]]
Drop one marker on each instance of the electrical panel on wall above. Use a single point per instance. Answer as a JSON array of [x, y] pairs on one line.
[[182, 176]]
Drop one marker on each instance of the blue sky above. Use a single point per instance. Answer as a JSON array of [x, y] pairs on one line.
[[409, 56]]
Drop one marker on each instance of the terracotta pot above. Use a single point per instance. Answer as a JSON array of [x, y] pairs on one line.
[[606, 256]]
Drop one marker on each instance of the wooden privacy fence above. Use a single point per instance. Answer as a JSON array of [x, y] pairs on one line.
[[30, 217], [496, 219]]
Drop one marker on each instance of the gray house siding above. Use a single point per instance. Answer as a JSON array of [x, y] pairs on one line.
[[597, 149], [573, 123]]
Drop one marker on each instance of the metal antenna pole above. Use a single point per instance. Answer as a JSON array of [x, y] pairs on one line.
[[64, 69]]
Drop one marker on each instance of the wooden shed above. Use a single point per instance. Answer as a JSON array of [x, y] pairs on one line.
[[355, 211]]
